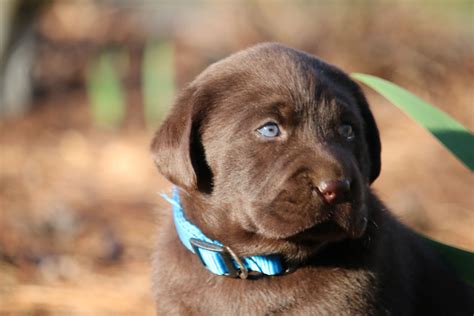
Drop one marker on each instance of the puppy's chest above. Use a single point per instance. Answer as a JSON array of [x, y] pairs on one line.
[[317, 292]]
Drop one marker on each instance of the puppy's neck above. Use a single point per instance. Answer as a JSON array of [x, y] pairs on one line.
[[200, 211]]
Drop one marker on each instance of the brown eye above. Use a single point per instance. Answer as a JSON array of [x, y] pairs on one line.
[[346, 131]]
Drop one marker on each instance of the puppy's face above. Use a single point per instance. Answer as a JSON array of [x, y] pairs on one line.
[[276, 144]]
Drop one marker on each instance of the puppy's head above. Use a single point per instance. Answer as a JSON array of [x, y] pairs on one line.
[[273, 145]]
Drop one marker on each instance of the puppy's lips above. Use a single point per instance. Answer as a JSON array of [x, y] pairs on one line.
[[309, 217], [327, 231], [328, 227]]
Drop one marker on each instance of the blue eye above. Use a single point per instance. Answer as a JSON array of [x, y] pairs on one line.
[[269, 130], [346, 131]]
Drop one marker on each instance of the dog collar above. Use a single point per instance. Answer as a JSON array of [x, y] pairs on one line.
[[216, 257]]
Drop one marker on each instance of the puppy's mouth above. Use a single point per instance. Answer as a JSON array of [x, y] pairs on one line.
[[304, 215], [340, 222], [328, 231], [318, 224]]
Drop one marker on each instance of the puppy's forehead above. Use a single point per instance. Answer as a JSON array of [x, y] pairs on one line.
[[280, 75], [264, 65]]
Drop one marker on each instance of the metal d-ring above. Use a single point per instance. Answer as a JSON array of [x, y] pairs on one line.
[[243, 271]]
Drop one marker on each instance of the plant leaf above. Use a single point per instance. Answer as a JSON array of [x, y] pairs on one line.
[[105, 91], [158, 81], [452, 134], [461, 260]]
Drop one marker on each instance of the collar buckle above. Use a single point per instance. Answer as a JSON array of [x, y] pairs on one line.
[[227, 254]]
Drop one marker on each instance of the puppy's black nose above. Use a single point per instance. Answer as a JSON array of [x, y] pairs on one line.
[[334, 191]]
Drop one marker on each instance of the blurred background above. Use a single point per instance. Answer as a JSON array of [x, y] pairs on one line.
[[83, 85]]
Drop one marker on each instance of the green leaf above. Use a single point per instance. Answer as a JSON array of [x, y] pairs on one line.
[[452, 134], [105, 92], [461, 260], [158, 81]]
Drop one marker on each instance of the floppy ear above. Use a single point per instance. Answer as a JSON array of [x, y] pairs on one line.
[[176, 147], [371, 133]]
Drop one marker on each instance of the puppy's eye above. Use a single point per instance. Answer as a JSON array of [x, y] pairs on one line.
[[269, 129], [346, 131]]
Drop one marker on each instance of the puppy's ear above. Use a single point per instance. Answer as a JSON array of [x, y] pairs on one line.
[[371, 133], [176, 147]]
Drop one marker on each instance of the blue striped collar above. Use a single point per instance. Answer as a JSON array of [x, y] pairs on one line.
[[216, 257]]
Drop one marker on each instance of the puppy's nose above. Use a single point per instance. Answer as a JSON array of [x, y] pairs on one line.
[[334, 191]]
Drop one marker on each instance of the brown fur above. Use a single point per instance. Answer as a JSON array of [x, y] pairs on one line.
[[257, 196]]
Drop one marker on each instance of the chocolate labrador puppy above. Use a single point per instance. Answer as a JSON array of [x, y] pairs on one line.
[[272, 152]]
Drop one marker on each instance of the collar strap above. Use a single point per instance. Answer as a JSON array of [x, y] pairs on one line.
[[216, 257]]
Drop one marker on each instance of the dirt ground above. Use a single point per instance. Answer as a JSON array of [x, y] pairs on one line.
[[77, 221], [79, 204]]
